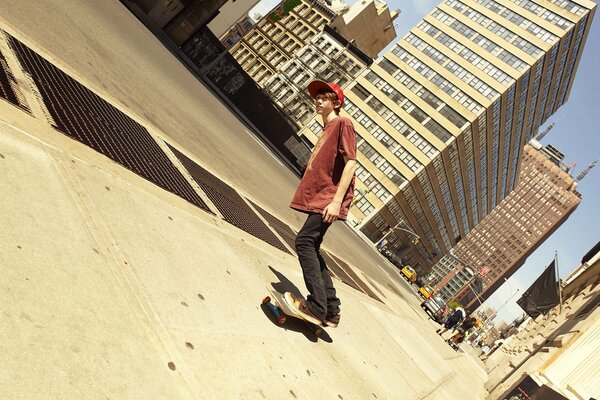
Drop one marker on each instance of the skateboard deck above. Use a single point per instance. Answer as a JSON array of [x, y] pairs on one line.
[[282, 309]]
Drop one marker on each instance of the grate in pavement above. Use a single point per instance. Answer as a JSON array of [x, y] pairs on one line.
[[339, 271], [79, 113], [395, 290], [279, 226], [9, 89], [229, 203], [373, 284], [363, 287]]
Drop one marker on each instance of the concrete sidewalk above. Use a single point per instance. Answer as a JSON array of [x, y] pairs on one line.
[[115, 288]]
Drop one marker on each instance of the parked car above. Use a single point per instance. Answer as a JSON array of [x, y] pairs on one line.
[[420, 281], [426, 291], [409, 274], [436, 307]]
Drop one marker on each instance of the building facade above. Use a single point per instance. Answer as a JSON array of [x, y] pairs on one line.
[[368, 24], [544, 198], [231, 14], [558, 352], [237, 31], [327, 56], [442, 118], [450, 275], [271, 45]]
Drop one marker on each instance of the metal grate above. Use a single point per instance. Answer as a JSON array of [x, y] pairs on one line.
[[84, 116], [373, 284], [394, 289], [339, 271], [230, 203], [279, 226], [363, 287], [8, 86]]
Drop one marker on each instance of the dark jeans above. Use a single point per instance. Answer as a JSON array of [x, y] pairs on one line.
[[322, 300]]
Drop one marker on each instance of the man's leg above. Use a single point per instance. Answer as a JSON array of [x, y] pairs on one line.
[[333, 302], [307, 242]]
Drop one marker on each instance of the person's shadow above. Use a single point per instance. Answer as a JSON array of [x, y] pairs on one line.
[[291, 323]]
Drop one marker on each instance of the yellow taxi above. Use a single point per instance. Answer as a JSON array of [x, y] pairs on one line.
[[426, 291], [408, 273]]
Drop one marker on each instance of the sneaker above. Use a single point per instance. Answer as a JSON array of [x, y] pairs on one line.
[[332, 321], [300, 306]]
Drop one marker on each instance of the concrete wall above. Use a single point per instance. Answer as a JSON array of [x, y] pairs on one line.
[[229, 14], [561, 347], [369, 25]]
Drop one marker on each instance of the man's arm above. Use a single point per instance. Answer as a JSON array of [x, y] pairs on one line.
[[332, 211]]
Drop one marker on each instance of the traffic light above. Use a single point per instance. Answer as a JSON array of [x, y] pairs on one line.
[[415, 241]]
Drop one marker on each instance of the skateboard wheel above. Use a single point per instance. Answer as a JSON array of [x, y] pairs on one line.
[[266, 300], [281, 320]]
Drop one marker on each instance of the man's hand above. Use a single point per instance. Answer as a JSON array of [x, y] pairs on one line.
[[332, 211]]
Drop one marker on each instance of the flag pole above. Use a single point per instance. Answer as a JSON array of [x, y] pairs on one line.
[[559, 288]]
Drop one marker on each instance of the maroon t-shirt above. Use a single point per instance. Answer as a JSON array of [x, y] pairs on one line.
[[324, 170]]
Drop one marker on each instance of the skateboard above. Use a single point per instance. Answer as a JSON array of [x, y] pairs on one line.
[[282, 309]]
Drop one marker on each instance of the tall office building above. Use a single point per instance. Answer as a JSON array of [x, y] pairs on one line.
[[544, 198], [442, 118]]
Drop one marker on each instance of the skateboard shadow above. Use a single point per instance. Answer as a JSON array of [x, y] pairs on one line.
[[284, 284], [291, 323]]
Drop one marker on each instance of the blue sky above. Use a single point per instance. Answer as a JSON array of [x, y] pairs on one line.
[[576, 134]]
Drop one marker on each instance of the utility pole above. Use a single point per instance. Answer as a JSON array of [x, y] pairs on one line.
[[558, 283], [400, 228]]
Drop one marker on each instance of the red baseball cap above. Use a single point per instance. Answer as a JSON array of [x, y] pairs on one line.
[[315, 85]]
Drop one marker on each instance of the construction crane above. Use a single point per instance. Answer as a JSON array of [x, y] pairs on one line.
[[583, 173]]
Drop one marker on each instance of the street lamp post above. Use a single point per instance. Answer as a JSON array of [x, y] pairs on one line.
[[400, 228], [505, 303], [489, 323]]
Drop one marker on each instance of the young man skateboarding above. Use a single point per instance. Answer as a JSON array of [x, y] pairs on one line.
[[325, 194]]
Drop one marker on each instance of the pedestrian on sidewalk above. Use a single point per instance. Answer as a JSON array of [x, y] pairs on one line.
[[325, 194], [457, 316], [461, 330]]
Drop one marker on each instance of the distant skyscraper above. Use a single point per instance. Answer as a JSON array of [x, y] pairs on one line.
[[544, 198], [442, 118]]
